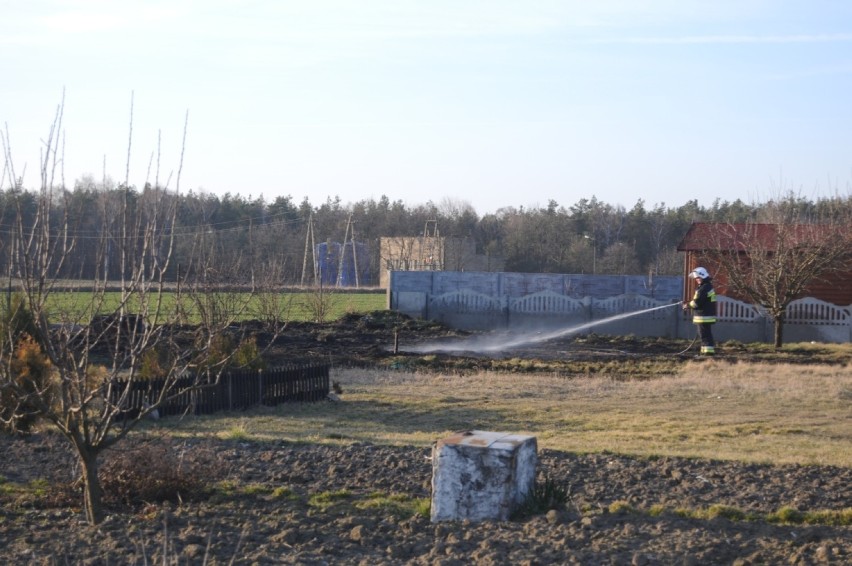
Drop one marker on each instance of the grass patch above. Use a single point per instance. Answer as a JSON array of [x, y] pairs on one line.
[[38, 488], [792, 516], [398, 505], [750, 412], [284, 493], [656, 510], [784, 516], [227, 488], [237, 431], [294, 305], [326, 499], [621, 508], [727, 512], [256, 489]]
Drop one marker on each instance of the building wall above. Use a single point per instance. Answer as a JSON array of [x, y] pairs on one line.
[[833, 289], [432, 253], [703, 237]]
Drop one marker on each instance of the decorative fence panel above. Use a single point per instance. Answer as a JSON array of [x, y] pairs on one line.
[[546, 302], [239, 389], [814, 311], [466, 302], [813, 320], [732, 310], [630, 303]]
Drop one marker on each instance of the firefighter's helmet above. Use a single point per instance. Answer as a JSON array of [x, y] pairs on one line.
[[699, 273]]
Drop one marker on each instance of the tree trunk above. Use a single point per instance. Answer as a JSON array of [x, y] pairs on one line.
[[779, 331], [92, 493]]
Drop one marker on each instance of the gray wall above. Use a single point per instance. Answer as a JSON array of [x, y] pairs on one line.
[[665, 288], [605, 304]]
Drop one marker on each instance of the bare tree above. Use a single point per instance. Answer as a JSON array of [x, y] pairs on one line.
[[619, 258], [319, 302], [791, 246], [89, 345]]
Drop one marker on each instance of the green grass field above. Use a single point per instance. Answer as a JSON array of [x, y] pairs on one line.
[[81, 306]]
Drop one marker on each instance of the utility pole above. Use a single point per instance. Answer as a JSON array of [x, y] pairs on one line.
[[355, 257], [309, 241], [348, 237], [432, 240]]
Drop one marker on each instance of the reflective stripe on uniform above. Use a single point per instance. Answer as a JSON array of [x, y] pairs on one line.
[[711, 296], [701, 319]]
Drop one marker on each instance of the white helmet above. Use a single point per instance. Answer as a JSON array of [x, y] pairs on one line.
[[700, 273]]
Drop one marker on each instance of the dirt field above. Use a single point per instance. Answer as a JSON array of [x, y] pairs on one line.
[[279, 502], [622, 511]]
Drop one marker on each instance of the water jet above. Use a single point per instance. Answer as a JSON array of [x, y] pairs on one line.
[[491, 344]]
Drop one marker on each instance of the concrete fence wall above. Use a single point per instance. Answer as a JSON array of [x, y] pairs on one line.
[[605, 304]]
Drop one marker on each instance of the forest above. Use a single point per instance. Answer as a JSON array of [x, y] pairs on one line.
[[252, 234]]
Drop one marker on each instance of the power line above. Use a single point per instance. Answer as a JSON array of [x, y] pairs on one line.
[[179, 231]]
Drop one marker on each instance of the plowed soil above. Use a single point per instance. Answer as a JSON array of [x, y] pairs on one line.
[[609, 519]]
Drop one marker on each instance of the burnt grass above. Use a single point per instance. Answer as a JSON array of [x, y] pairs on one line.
[[386, 339], [252, 502]]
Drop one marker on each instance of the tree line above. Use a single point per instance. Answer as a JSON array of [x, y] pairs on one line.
[[252, 234]]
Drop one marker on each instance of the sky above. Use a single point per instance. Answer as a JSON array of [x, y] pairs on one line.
[[490, 103]]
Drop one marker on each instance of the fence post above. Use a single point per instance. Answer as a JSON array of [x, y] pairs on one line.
[[230, 392], [588, 308], [260, 387]]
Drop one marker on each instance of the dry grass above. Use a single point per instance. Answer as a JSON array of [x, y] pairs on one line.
[[747, 412]]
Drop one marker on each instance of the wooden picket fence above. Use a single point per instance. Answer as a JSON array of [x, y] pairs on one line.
[[235, 390]]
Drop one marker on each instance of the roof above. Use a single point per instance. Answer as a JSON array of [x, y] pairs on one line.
[[732, 236]]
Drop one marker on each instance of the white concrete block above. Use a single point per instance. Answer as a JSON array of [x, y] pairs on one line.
[[480, 475]]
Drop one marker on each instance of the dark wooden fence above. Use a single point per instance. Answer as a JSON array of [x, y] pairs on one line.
[[238, 389]]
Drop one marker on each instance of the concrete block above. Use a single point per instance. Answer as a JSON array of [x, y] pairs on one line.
[[480, 475]]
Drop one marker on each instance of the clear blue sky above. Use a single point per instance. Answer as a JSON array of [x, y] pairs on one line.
[[491, 102]]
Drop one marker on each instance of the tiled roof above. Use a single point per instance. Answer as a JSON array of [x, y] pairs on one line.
[[725, 236]]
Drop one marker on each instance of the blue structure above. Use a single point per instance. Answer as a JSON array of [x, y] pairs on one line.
[[336, 273]]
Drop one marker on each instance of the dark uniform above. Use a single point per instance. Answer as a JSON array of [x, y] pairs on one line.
[[703, 305]]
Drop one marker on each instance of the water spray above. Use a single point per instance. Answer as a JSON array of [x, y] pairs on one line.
[[489, 345]]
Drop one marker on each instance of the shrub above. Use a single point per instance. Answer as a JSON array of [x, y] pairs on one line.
[[247, 355], [154, 364], [28, 372], [223, 351], [15, 320], [544, 496], [157, 472], [318, 304], [31, 374]]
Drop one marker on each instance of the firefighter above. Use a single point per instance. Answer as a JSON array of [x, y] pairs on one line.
[[703, 305]]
